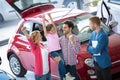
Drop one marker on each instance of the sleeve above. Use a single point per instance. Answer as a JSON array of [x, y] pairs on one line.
[[76, 46], [101, 43], [89, 44], [60, 41]]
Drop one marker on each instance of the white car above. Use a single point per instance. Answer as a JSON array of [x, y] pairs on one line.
[[6, 12], [87, 5], [112, 6]]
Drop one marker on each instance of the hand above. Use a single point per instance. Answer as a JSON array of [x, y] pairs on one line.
[[23, 29], [71, 38], [43, 16], [57, 59], [49, 14]]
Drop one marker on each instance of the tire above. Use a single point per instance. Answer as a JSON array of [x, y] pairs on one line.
[[76, 4], [1, 18], [16, 66]]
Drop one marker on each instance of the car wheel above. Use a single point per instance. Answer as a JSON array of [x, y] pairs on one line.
[[16, 66], [1, 18]]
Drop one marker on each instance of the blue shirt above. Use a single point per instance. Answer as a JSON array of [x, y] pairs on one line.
[[102, 47]]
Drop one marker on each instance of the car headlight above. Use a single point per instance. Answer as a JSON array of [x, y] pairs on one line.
[[88, 62]]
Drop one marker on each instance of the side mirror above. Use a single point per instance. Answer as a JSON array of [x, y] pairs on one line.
[[113, 23]]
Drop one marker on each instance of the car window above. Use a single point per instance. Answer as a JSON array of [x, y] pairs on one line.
[[28, 26], [37, 26], [31, 26], [115, 1]]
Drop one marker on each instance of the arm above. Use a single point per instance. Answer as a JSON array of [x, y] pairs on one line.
[[23, 29], [101, 43], [89, 45], [52, 22], [31, 42], [44, 25]]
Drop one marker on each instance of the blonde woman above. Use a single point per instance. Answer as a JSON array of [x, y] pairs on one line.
[[40, 53]]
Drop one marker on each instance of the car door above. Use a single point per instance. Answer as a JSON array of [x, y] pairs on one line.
[[114, 51], [113, 6], [23, 46]]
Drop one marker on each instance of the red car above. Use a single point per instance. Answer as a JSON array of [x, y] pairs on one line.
[[19, 54]]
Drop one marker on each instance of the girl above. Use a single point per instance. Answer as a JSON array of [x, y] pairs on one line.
[[50, 32]]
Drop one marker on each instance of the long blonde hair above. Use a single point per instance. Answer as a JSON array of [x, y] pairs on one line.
[[36, 36]]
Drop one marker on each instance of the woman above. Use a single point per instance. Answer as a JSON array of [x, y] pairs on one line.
[[40, 53]]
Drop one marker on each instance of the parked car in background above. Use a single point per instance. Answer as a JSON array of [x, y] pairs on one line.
[[19, 53], [6, 12], [4, 75], [87, 5], [111, 11], [67, 3]]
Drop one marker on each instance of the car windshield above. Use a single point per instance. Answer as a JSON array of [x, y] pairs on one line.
[[24, 4], [82, 27]]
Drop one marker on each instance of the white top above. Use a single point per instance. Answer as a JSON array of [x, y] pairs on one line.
[[45, 62]]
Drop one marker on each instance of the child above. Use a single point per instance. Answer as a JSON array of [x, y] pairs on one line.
[[54, 48], [40, 53]]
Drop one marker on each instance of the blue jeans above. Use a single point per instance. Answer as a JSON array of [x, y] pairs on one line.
[[61, 66], [73, 71], [43, 77]]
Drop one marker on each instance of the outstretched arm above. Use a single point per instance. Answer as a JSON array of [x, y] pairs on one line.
[[44, 25], [52, 21], [23, 29]]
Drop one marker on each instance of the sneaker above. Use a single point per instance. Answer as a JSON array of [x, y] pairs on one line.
[[69, 77]]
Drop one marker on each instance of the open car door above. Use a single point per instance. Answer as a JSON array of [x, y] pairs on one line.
[[28, 8]]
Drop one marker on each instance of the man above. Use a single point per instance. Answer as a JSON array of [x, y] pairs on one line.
[[98, 48], [70, 45]]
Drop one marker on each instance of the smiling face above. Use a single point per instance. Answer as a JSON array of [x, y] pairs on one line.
[[66, 29]]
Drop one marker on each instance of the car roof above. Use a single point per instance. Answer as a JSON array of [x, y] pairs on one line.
[[58, 14]]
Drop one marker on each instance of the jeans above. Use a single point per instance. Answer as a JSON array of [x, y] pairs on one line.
[[103, 74], [61, 66], [43, 77], [73, 71]]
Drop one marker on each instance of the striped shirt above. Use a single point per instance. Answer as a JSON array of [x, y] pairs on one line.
[[70, 50]]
